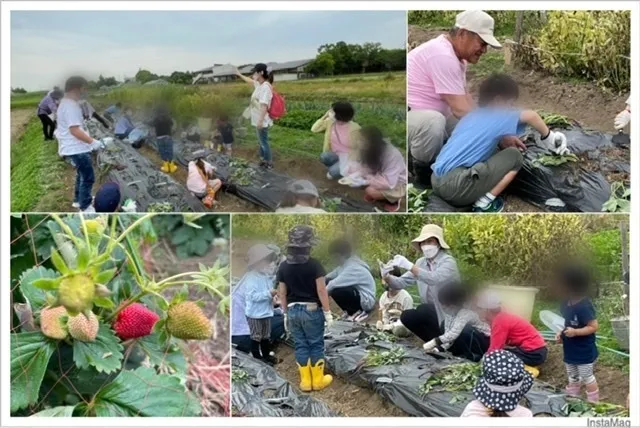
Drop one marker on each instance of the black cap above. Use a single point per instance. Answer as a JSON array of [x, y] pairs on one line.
[[259, 68]]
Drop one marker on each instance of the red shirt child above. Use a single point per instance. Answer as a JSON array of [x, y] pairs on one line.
[[511, 330]]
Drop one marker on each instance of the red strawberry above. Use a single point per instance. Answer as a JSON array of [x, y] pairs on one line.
[[135, 321]]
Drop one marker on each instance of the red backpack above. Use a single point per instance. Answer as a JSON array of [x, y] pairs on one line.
[[277, 108]]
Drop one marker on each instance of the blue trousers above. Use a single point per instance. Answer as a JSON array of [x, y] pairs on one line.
[[263, 142], [331, 161], [85, 179], [165, 147], [307, 330]]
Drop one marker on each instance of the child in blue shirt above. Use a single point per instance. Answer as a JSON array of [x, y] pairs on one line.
[[482, 156], [579, 336], [259, 294]]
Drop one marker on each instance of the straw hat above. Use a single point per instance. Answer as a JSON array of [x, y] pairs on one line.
[[430, 231]]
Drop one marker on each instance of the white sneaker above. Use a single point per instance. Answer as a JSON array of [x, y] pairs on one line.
[[75, 205], [361, 317], [89, 210], [329, 177]]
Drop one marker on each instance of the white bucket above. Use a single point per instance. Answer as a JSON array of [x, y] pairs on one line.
[[517, 300], [204, 123]]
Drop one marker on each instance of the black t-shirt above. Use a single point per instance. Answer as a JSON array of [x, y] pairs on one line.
[[300, 280], [162, 125]]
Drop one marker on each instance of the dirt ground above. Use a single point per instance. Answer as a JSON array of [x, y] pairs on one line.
[[584, 102], [226, 201], [19, 120]]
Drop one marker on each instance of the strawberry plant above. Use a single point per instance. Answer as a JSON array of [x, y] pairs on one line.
[[93, 333]]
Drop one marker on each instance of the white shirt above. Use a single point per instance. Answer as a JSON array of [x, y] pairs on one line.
[[69, 115], [262, 94], [300, 209], [401, 301]]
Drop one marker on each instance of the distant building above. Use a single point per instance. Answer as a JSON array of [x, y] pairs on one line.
[[290, 70]]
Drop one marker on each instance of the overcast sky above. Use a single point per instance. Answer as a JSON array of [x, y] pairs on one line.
[[47, 46]]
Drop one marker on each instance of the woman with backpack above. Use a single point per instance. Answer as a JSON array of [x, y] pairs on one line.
[[259, 106]]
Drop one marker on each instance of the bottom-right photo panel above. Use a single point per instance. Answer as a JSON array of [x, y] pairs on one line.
[[430, 315]]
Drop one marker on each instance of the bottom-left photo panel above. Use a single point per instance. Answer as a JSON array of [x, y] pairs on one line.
[[119, 315]]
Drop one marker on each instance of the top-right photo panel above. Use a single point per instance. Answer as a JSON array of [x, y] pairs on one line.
[[519, 111]]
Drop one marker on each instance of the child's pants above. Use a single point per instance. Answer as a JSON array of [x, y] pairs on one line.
[[84, 179], [580, 373], [165, 147], [306, 324]]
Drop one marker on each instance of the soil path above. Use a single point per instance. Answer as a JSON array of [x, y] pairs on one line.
[[19, 120]]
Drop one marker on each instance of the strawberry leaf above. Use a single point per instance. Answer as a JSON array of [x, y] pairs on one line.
[[30, 354], [104, 354], [36, 297]]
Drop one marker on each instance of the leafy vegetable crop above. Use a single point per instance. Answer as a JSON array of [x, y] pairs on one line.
[[377, 358], [457, 378], [581, 409], [620, 200]]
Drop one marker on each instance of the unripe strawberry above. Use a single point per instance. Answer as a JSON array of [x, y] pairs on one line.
[[52, 323], [94, 226], [187, 321], [76, 293], [134, 321], [82, 328]]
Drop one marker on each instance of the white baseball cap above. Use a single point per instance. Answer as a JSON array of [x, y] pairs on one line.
[[478, 22], [488, 300]]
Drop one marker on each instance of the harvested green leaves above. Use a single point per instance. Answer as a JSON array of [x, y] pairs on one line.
[[160, 207], [457, 378], [331, 204], [620, 200], [581, 409], [555, 120], [376, 358], [555, 160], [241, 172], [381, 336], [239, 376]]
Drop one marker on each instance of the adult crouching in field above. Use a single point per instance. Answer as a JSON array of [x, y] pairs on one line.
[[163, 125], [437, 94], [436, 269], [124, 124], [341, 136], [351, 284], [240, 332], [75, 143], [304, 298], [47, 111], [88, 112], [511, 332], [477, 163], [261, 81], [301, 197], [384, 170], [112, 112], [202, 182], [464, 334]]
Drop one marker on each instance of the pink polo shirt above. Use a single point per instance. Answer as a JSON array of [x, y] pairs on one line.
[[433, 69]]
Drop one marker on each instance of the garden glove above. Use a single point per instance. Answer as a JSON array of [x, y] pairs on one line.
[[328, 319], [622, 119], [556, 142], [402, 262], [379, 325], [430, 346], [129, 206]]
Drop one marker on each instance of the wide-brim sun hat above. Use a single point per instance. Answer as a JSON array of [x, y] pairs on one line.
[[258, 253], [503, 382], [302, 236], [430, 231]]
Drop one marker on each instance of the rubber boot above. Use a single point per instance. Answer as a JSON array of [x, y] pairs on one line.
[[572, 389], [255, 350], [594, 396], [172, 167], [305, 376], [265, 348], [319, 380], [165, 167], [532, 370]]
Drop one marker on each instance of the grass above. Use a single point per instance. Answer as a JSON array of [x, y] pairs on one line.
[[491, 62], [36, 170], [28, 100], [505, 20]]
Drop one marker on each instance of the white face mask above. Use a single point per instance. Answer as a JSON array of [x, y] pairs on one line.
[[429, 250]]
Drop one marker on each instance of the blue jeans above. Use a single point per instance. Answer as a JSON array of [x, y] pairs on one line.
[[165, 147], [331, 161], [84, 179], [263, 142], [307, 329]]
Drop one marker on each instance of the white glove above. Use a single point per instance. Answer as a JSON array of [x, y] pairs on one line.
[[387, 327], [556, 142], [286, 324], [328, 319], [97, 145], [379, 325], [129, 206], [622, 119], [402, 262], [430, 345]]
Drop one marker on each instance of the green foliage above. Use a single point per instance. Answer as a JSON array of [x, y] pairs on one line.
[[620, 200], [505, 20], [144, 76], [555, 120], [190, 240], [30, 354], [18, 90], [381, 336], [576, 408], [323, 65], [593, 45], [345, 58], [104, 354], [417, 198], [36, 297], [555, 160], [456, 378], [300, 119], [376, 358], [239, 376]]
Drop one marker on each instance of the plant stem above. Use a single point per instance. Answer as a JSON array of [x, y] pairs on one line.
[[66, 229]]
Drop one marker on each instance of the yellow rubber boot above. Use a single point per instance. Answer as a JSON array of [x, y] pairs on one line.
[[319, 380], [532, 370], [305, 377], [165, 167], [172, 166]]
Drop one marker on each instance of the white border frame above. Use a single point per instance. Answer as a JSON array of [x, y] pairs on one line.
[[7, 7]]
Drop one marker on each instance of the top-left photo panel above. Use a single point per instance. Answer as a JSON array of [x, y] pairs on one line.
[[208, 111]]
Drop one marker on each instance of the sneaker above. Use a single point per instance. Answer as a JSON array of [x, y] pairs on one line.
[[76, 205], [496, 206], [392, 208], [354, 316], [362, 317], [344, 316], [89, 210], [329, 176]]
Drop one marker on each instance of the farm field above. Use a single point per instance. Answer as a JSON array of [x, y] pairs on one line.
[[378, 100]]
